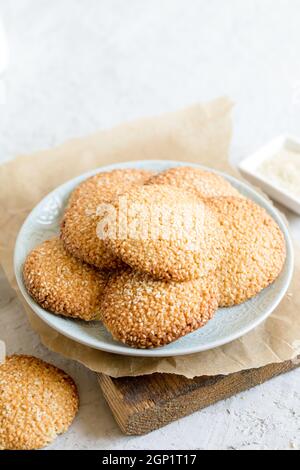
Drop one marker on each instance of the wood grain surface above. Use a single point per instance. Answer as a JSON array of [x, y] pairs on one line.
[[143, 404]]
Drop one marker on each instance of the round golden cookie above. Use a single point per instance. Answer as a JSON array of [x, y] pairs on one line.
[[202, 183], [256, 251], [79, 224], [166, 233], [62, 284], [146, 313], [37, 403]]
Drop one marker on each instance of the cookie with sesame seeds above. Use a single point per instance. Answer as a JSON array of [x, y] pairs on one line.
[[79, 224], [256, 252], [166, 233], [200, 182], [146, 313], [37, 403], [63, 284]]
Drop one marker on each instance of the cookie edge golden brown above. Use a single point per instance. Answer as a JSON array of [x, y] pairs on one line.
[[68, 383], [42, 298], [211, 306]]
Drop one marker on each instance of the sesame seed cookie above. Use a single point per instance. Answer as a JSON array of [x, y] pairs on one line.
[[146, 313], [166, 233], [79, 224], [256, 251], [37, 403], [63, 284], [202, 183]]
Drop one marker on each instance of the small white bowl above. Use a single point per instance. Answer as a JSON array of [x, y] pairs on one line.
[[249, 167]]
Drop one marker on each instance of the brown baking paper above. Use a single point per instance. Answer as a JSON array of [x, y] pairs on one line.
[[200, 134]]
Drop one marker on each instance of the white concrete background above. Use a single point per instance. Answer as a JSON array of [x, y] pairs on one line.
[[79, 66]]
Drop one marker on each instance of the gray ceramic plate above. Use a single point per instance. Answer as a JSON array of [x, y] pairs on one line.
[[227, 325]]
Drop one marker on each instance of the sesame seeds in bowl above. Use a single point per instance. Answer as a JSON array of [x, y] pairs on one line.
[[226, 325]]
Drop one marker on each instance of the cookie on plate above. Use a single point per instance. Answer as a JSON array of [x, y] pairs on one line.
[[79, 224], [145, 313], [63, 284], [166, 233], [200, 182], [37, 403], [256, 252]]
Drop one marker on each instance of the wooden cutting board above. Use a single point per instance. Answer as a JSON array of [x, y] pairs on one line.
[[142, 404]]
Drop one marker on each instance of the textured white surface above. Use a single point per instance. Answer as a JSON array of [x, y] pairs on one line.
[[79, 66]]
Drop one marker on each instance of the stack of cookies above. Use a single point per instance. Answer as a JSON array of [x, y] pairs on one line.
[[153, 256]]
